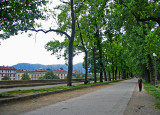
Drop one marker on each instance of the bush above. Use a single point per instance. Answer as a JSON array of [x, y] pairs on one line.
[[50, 75], [6, 78], [41, 78]]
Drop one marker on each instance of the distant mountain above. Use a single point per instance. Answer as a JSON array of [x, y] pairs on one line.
[[32, 67]]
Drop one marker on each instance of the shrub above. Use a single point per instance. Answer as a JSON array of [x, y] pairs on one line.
[[25, 76], [6, 78]]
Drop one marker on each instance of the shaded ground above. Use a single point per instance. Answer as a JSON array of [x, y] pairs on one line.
[[141, 104]]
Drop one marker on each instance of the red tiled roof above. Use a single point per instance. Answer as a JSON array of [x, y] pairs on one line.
[[79, 73], [40, 70], [22, 70], [60, 71], [7, 68]]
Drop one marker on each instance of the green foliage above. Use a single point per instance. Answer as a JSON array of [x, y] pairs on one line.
[[41, 78], [18, 15], [6, 78], [50, 75], [25, 76]]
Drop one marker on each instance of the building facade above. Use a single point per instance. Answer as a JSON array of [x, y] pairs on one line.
[[37, 73], [20, 72], [62, 74], [7, 71]]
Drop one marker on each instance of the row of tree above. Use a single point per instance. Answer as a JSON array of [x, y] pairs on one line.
[[117, 37]]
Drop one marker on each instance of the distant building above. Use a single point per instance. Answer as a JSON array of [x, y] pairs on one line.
[[77, 73], [37, 73], [33, 75], [62, 74], [20, 72], [8, 71]]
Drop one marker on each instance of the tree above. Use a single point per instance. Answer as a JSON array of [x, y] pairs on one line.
[[50, 75], [18, 15], [6, 78], [22, 22], [138, 20], [25, 76]]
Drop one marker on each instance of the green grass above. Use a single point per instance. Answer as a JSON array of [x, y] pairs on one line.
[[154, 92], [13, 93]]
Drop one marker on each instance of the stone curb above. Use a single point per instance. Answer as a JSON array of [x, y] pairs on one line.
[[22, 98]]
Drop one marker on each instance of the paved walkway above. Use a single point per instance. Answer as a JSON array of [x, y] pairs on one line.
[[33, 87], [108, 101]]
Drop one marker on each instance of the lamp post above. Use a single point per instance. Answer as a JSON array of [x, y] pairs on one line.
[[156, 84]]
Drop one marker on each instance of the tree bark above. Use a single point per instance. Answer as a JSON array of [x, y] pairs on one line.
[[116, 73], [86, 66], [105, 75], [119, 75], [95, 71], [70, 49], [151, 68], [109, 76]]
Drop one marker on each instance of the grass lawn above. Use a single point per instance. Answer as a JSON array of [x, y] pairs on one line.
[[154, 92], [51, 89]]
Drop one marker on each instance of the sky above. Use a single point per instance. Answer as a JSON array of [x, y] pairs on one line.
[[24, 49]]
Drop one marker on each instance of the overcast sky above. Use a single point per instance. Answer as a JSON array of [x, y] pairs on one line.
[[24, 49]]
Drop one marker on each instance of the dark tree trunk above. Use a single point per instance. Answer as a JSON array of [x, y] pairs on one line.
[[86, 54], [116, 73], [124, 75], [151, 68], [95, 71], [109, 76], [70, 48], [105, 75], [112, 74], [119, 75], [147, 75], [86, 66], [99, 39]]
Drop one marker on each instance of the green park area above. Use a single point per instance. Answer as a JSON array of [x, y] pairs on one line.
[[118, 38]]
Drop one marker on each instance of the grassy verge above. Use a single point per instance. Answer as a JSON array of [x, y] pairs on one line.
[[51, 89], [154, 92]]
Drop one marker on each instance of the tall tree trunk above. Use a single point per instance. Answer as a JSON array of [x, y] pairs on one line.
[[109, 76], [86, 54], [147, 75], [95, 71], [105, 75], [99, 39], [124, 75], [86, 66], [151, 68], [119, 75], [70, 49], [116, 73]]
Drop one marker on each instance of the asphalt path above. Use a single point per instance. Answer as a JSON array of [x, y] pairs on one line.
[[111, 100], [33, 87]]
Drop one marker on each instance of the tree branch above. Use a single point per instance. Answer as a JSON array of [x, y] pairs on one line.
[[50, 30], [64, 2]]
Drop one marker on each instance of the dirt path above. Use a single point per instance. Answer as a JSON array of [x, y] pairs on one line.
[[141, 104]]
